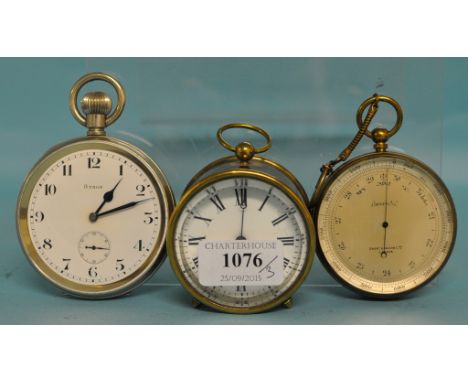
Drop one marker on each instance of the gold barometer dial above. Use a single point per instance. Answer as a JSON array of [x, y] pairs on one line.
[[386, 222]]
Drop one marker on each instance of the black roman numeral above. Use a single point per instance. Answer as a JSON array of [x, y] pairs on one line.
[[214, 197], [285, 262], [266, 198], [241, 192], [279, 219], [241, 288], [195, 240], [202, 218], [287, 240], [195, 261]]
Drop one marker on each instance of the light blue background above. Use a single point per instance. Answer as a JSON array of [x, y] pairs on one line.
[[174, 107]]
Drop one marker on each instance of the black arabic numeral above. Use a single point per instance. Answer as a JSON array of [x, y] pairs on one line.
[[67, 264], [92, 272], [149, 219], [236, 260], [139, 245], [94, 162], [140, 190], [67, 170], [47, 244], [39, 216], [119, 265], [50, 189]]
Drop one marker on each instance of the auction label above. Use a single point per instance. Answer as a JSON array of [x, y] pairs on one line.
[[240, 262]]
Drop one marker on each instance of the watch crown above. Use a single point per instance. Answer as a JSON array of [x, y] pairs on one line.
[[96, 103], [96, 106]]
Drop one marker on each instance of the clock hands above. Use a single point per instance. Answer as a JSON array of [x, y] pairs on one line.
[[122, 207], [241, 236], [94, 247], [107, 197]]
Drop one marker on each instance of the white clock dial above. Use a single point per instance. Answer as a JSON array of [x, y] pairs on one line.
[[241, 208], [94, 217]]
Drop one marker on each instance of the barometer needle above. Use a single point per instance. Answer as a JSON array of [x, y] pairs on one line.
[[385, 223]]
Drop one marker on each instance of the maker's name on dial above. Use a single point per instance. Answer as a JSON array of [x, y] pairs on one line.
[[388, 249]]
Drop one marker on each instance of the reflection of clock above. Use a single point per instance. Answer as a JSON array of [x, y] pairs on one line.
[[94, 247], [92, 214]]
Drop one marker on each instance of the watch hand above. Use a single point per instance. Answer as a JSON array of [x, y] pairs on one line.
[[93, 247], [107, 197], [241, 236], [122, 207]]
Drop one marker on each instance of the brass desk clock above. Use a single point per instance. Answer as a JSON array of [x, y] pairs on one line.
[[386, 223], [241, 239], [92, 214]]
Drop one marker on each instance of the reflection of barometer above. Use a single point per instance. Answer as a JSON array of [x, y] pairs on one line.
[[386, 222], [241, 239]]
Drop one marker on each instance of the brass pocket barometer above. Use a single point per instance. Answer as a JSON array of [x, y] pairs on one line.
[[92, 214], [241, 239], [386, 223]]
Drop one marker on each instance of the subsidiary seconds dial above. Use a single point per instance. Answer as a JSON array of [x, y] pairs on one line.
[[94, 217]]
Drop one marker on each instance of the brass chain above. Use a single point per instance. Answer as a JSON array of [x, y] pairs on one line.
[[327, 168]]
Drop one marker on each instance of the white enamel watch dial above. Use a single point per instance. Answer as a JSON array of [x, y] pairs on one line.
[[95, 220], [237, 208]]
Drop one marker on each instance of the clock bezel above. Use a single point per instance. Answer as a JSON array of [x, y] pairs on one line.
[[164, 194], [193, 190]]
